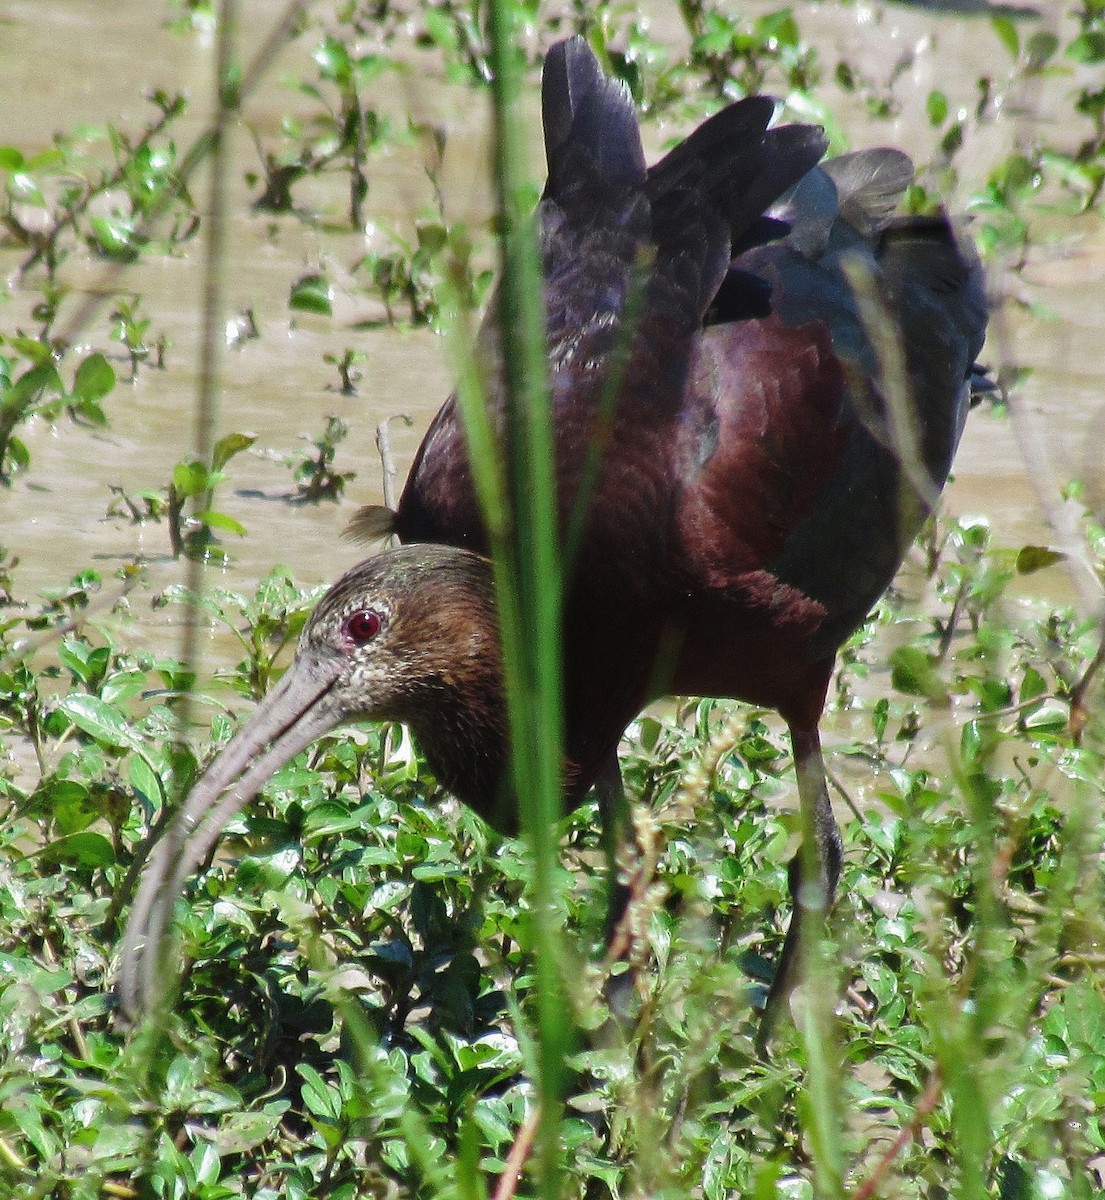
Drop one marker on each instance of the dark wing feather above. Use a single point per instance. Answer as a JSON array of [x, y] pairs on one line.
[[592, 141], [814, 482], [633, 259]]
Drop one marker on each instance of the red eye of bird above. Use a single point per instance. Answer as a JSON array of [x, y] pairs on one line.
[[362, 626]]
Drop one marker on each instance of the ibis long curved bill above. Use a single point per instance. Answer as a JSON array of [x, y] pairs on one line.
[[300, 709]]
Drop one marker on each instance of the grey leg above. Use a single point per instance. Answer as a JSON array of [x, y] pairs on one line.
[[614, 815], [814, 872]]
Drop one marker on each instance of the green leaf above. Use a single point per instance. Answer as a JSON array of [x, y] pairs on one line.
[[18, 454], [70, 805], [318, 1097], [23, 190], [32, 386], [333, 61], [1052, 714], [85, 849], [971, 741], [227, 447], [312, 294], [1032, 685], [94, 379], [40, 353], [1007, 34], [1041, 48], [10, 158], [49, 159], [145, 780], [113, 235], [1089, 47], [1036, 558], [218, 520], [880, 715], [914, 673], [371, 66], [191, 478], [937, 108], [100, 721], [440, 28]]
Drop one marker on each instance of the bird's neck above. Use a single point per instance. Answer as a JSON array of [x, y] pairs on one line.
[[463, 735]]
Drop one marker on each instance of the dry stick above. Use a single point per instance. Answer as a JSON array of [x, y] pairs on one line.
[[519, 1153], [387, 462], [948, 636], [1079, 710], [930, 1097], [213, 141], [843, 793], [211, 343]]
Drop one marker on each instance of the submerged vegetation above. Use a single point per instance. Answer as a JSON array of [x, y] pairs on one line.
[[358, 1015]]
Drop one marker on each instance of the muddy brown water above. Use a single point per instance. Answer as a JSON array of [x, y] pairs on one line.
[[80, 61]]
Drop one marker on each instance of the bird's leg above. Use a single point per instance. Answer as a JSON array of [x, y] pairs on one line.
[[614, 835], [814, 872], [616, 843]]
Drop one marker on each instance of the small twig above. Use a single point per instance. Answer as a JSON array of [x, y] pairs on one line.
[[519, 1152], [901, 433], [953, 621], [1079, 710], [72, 1024], [387, 462], [930, 1097], [859, 1001], [121, 1191], [843, 793]]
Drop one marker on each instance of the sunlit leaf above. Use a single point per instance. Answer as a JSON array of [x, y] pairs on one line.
[[218, 520], [94, 379], [191, 478], [312, 294], [1006, 30], [100, 721], [226, 448], [1036, 558], [85, 849]]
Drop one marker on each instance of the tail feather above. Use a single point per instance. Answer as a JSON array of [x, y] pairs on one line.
[[739, 165], [870, 185], [591, 132], [698, 207], [864, 188]]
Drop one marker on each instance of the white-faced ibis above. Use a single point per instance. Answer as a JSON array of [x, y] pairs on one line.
[[768, 458]]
